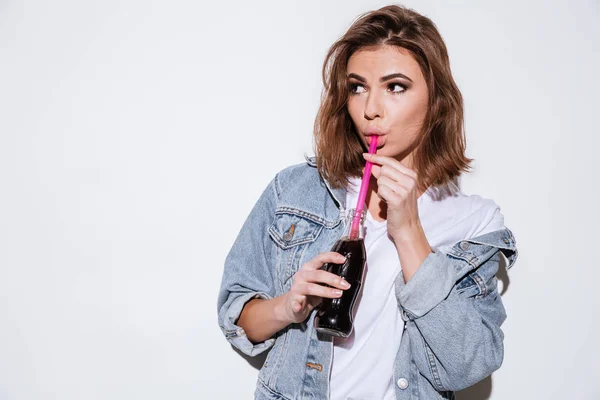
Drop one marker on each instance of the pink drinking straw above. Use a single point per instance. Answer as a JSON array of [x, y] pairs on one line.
[[362, 194]]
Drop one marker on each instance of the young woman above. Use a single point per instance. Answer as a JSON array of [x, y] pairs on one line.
[[429, 316]]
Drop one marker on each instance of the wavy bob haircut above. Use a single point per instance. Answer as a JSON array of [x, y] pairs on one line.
[[439, 156]]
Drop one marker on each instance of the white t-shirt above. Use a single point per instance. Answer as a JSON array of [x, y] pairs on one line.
[[363, 363]]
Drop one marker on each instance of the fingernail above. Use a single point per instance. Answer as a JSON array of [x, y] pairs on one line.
[[341, 258], [345, 283], [366, 155], [337, 292]]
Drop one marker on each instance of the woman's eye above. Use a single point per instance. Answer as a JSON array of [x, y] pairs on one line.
[[396, 87], [356, 88]]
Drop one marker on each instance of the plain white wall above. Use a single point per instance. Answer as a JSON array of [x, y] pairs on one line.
[[135, 136]]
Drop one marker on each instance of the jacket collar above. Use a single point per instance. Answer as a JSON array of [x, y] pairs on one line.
[[339, 195]]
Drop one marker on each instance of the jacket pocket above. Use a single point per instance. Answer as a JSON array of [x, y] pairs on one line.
[[292, 231]]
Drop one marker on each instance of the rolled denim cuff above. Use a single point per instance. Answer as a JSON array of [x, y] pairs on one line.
[[235, 334], [429, 285]]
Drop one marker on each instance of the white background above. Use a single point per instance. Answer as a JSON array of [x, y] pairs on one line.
[[135, 136]]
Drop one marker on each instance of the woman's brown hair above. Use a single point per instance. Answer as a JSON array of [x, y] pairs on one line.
[[440, 154]]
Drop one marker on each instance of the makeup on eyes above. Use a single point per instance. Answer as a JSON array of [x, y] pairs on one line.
[[353, 86], [391, 85]]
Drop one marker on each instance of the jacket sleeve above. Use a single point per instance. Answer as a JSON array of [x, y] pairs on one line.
[[249, 272], [453, 311]]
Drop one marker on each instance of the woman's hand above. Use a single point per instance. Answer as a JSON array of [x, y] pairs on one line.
[[262, 318], [308, 287], [397, 186]]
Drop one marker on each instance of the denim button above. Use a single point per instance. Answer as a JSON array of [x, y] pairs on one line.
[[404, 315], [402, 383], [464, 245]]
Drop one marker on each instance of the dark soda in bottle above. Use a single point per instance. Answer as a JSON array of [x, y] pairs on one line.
[[335, 316]]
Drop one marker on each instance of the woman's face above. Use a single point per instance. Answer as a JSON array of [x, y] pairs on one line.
[[388, 97]]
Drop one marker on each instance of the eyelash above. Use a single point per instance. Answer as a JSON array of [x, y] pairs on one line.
[[353, 86]]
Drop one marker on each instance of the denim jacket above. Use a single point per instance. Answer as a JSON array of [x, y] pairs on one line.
[[451, 305]]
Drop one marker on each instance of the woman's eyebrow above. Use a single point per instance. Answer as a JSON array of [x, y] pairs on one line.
[[392, 76], [382, 79]]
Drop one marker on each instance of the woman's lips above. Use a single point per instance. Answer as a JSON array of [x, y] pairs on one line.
[[380, 140]]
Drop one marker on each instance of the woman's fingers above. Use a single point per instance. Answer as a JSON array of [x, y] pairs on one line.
[[311, 284], [390, 161], [324, 277], [322, 258], [311, 271], [395, 181], [394, 185], [313, 289], [395, 175]]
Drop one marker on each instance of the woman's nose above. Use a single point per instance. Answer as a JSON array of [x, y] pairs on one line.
[[372, 108]]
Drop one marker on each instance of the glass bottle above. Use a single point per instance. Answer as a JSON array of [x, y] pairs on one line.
[[335, 316]]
